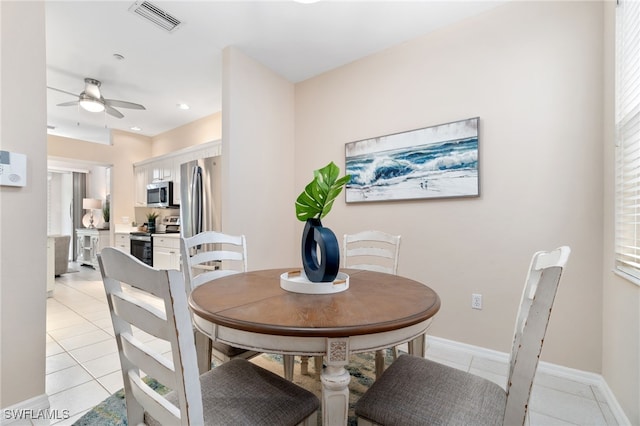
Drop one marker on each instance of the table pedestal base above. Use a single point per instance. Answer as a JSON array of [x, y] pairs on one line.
[[335, 395]]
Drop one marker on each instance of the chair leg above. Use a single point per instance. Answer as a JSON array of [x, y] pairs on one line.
[[379, 362], [317, 364], [418, 346], [304, 365], [288, 362], [396, 353], [204, 347]]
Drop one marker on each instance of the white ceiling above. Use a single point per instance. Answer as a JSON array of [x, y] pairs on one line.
[[161, 69]]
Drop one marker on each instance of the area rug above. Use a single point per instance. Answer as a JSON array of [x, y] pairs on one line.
[[112, 411]]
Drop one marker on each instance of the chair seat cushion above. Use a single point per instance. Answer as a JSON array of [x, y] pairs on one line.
[[239, 392], [416, 391]]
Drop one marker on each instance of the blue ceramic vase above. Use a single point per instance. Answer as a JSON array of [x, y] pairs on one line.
[[320, 252]]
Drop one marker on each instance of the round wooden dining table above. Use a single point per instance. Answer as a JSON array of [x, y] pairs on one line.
[[250, 310]]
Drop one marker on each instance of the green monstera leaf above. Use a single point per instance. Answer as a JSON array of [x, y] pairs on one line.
[[317, 198]]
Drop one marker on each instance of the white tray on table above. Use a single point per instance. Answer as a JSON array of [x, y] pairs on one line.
[[297, 282]]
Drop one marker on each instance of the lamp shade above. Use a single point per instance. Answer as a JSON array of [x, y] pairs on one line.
[[91, 204]]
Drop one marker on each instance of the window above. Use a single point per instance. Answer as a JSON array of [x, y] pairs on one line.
[[628, 138]]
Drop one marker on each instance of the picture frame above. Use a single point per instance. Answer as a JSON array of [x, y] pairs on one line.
[[439, 161]]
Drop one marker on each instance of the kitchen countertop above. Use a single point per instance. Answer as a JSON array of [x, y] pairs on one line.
[[125, 229], [167, 234]]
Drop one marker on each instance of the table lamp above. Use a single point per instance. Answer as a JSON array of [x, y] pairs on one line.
[[91, 204]]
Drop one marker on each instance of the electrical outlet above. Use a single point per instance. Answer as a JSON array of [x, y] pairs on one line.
[[476, 301]]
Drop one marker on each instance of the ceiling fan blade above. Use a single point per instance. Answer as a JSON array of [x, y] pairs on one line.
[[71, 103], [62, 91], [112, 111], [123, 104]]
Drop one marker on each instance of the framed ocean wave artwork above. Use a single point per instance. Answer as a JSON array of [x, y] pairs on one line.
[[433, 162]]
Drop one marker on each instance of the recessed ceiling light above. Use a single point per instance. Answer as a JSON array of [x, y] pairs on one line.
[[136, 128], [118, 56], [183, 106]]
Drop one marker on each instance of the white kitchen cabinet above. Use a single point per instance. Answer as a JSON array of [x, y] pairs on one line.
[[123, 243], [90, 244], [140, 181], [162, 170], [166, 251]]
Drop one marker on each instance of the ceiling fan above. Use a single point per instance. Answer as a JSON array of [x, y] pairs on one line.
[[90, 99]]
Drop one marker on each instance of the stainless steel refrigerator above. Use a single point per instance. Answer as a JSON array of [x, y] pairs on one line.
[[200, 196]]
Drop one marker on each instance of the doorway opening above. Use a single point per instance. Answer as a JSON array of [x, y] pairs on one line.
[[69, 183]]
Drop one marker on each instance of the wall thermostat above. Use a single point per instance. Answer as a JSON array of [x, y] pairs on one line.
[[13, 169]]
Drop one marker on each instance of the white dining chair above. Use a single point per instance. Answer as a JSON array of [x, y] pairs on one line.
[[207, 256], [236, 392], [210, 255], [373, 251], [417, 391]]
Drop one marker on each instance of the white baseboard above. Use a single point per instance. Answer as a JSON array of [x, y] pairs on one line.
[[31, 411], [580, 376], [615, 408], [439, 342]]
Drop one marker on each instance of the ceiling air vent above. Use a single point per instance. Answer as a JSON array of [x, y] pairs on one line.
[[156, 15]]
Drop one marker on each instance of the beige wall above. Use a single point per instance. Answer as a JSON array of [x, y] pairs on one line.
[[206, 129], [126, 149], [258, 160], [532, 72], [620, 298], [23, 210]]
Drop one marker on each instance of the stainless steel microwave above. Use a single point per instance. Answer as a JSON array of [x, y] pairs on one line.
[[160, 194]]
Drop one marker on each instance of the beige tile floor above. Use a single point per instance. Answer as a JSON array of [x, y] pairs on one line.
[[83, 369]]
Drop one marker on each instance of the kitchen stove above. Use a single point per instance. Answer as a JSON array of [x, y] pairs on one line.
[[142, 241], [141, 247]]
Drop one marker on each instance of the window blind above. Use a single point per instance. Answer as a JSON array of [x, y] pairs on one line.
[[628, 137]]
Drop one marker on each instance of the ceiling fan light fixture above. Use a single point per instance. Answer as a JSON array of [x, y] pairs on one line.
[[91, 105]]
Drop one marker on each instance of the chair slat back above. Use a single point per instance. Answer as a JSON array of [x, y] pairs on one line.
[[155, 301], [210, 255], [155, 365], [372, 250], [538, 295], [151, 402], [148, 317]]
